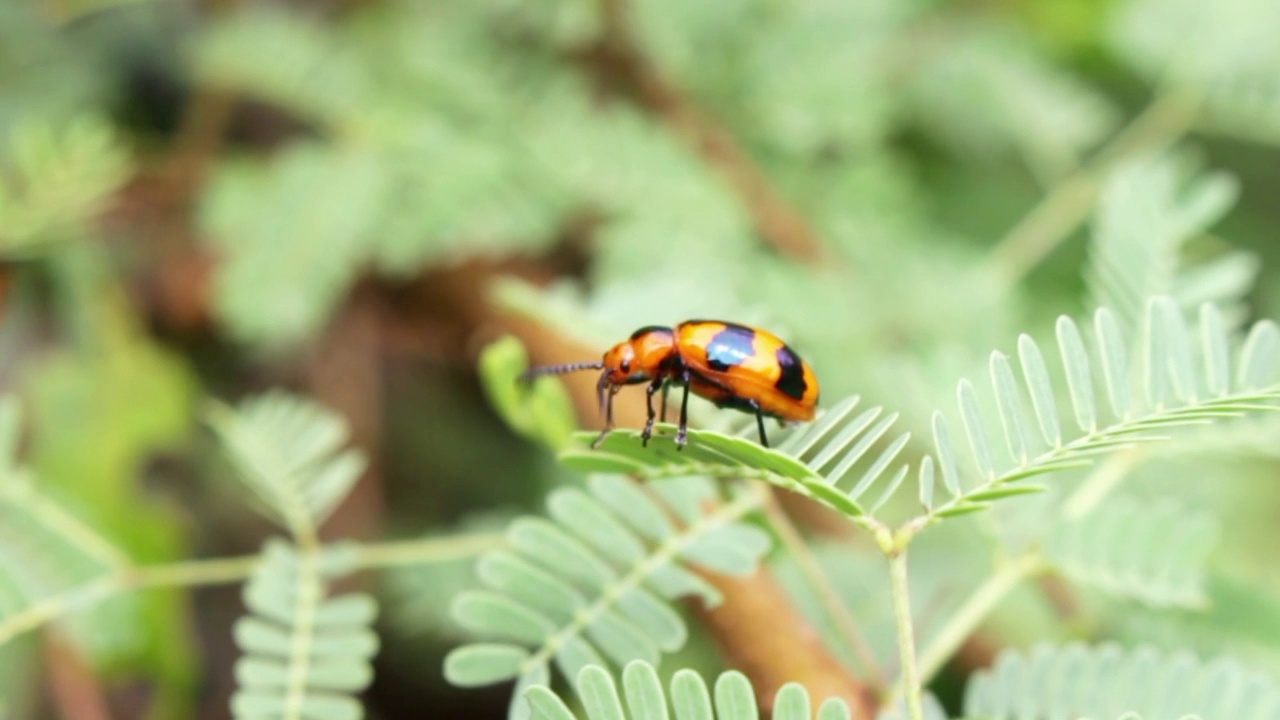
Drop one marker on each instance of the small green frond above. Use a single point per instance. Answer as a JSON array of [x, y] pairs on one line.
[[1108, 681], [1220, 55], [288, 451], [1155, 554], [290, 236], [287, 59], [985, 90], [595, 582], [45, 551], [1149, 210], [540, 411], [54, 180], [814, 460], [304, 655], [687, 698], [1184, 381]]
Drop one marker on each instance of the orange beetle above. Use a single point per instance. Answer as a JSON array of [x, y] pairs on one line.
[[733, 366]]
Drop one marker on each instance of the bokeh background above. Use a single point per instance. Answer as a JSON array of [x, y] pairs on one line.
[[348, 199]]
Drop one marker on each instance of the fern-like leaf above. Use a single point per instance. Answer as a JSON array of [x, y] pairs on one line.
[[595, 581], [48, 557], [1156, 554], [1179, 382], [1222, 55], [288, 451], [304, 654], [1109, 682], [688, 698], [834, 461], [1148, 211], [55, 179]]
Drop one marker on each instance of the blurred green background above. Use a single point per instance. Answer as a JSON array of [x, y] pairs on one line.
[[349, 198]]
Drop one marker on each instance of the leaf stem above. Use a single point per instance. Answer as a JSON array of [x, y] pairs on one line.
[[909, 685], [218, 571], [1169, 116], [973, 611], [425, 550]]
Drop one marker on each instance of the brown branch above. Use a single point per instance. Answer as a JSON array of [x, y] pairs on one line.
[[776, 219], [761, 634]]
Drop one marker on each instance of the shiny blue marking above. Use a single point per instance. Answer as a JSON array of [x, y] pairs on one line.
[[730, 347]]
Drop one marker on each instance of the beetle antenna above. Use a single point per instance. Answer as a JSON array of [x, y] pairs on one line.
[[534, 372]]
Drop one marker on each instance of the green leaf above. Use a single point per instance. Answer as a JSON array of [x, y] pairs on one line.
[[791, 703], [586, 584], [290, 237], [687, 694], [645, 697], [1109, 681], [540, 410], [599, 695], [302, 653], [1154, 553], [478, 665], [57, 178], [1169, 364], [288, 451]]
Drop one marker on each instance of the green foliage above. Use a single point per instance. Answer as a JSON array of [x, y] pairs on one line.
[[44, 550], [288, 451], [987, 90], [57, 177], [539, 411], [596, 580], [1149, 211], [1174, 382], [1108, 681], [55, 565], [1153, 552], [304, 654], [688, 698], [45, 75], [293, 235], [812, 460], [401, 177], [1223, 54]]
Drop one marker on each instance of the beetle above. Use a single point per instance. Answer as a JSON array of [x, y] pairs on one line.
[[734, 366]]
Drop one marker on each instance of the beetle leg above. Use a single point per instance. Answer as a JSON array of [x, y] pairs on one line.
[[608, 417], [648, 426], [760, 423], [682, 433], [665, 387]]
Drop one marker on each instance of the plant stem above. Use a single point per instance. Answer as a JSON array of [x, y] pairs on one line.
[[1169, 116], [425, 550], [835, 608], [910, 683], [973, 611], [194, 573]]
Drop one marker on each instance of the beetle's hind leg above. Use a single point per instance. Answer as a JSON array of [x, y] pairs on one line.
[[665, 387], [682, 433]]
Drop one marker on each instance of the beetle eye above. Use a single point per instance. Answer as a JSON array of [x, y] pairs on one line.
[[626, 366]]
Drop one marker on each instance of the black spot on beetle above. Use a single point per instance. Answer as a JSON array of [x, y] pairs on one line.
[[730, 347], [648, 329], [791, 379]]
